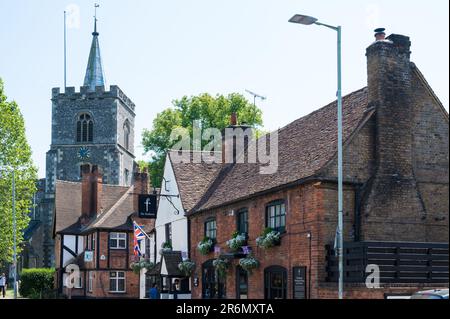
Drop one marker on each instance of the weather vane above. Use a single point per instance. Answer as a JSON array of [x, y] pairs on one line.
[[96, 5]]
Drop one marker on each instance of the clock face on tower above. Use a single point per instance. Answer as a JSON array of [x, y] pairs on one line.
[[84, 153]]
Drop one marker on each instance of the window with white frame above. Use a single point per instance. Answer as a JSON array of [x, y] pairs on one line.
[[118, 240], [117, 281]]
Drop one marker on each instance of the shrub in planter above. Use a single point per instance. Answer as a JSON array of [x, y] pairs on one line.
[[221, 265], [36, 283], [237, 241], [138, 266], [205, 246], [249, 263], [187, 267], [269, 238]]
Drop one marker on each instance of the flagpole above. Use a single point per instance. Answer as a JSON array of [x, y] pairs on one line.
[[65, 52], [141, 230]]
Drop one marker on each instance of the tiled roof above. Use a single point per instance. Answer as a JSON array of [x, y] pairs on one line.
[[193, 180], [68, 204], [305, 147], [117, 216], [172, 259]]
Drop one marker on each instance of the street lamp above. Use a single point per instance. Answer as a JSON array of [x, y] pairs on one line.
[[307, 20]]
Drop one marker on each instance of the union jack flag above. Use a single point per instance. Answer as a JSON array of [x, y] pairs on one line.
[[138, 236]]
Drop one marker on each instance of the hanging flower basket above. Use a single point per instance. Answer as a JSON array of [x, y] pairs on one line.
[[249, 263], [187, 267], [166, 247], [142, 264], [221, 265], [237, 241], [269, 238], [205, 246]]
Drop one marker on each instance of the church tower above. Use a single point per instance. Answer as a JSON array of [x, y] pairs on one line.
[[93, 126]]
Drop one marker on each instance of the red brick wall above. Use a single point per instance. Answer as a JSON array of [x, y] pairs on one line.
[[117, 262], [309, 209], [101, 285]]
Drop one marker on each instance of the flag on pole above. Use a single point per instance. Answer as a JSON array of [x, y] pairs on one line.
[[138, 236]]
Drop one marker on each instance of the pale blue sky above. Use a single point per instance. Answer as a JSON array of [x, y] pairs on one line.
[[157, 51]]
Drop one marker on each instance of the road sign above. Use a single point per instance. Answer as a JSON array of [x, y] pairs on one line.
[[148, 206]]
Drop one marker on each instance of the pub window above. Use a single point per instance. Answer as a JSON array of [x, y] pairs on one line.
[[147, 247], [117, 281], [85, 128], [118, 240], [242, 221], [241, 283], [211, 229], [275, 283], [169, 233], [276, 216]]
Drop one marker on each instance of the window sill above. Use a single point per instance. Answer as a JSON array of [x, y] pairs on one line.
[[118, 292]]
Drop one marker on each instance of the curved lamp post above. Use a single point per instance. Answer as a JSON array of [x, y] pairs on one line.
[[307, 20]]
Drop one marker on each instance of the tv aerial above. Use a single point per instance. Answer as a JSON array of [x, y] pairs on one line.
[[255, 96]]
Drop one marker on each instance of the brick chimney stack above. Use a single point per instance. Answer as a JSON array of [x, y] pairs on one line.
[[393, 193], [91, 193], [389, 85], [238, 143], [141, 185]]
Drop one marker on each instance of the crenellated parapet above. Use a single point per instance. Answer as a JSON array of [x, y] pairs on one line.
[[99, 93]]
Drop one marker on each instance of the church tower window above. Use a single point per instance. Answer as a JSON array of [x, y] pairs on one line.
[[85, 128], [126, 135]]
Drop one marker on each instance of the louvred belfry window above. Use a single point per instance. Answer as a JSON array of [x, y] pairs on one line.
[[85, 128]]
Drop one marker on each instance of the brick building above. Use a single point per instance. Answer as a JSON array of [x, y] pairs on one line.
[[94, 229], [396, 180]]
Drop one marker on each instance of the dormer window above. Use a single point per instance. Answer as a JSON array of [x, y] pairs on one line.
[[85, 128]]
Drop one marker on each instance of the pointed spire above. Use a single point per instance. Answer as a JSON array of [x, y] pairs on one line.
[[94, 72]]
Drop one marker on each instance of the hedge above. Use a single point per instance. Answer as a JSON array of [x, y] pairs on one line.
[[36, 283]]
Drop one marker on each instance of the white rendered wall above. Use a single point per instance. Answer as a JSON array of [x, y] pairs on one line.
[[167, 213], [69, 242]]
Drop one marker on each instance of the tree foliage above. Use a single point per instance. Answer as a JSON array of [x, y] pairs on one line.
[[210, 111], [15, 155]]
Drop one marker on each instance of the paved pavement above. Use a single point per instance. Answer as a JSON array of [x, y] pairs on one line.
[[9, 295]]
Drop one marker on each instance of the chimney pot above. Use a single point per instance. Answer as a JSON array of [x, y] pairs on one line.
[[233, 119], [380, 35]]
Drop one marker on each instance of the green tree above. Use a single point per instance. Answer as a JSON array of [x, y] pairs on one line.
[[210, 111], [15, 154]]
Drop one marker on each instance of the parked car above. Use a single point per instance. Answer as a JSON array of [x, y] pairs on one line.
[[431, 294]]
